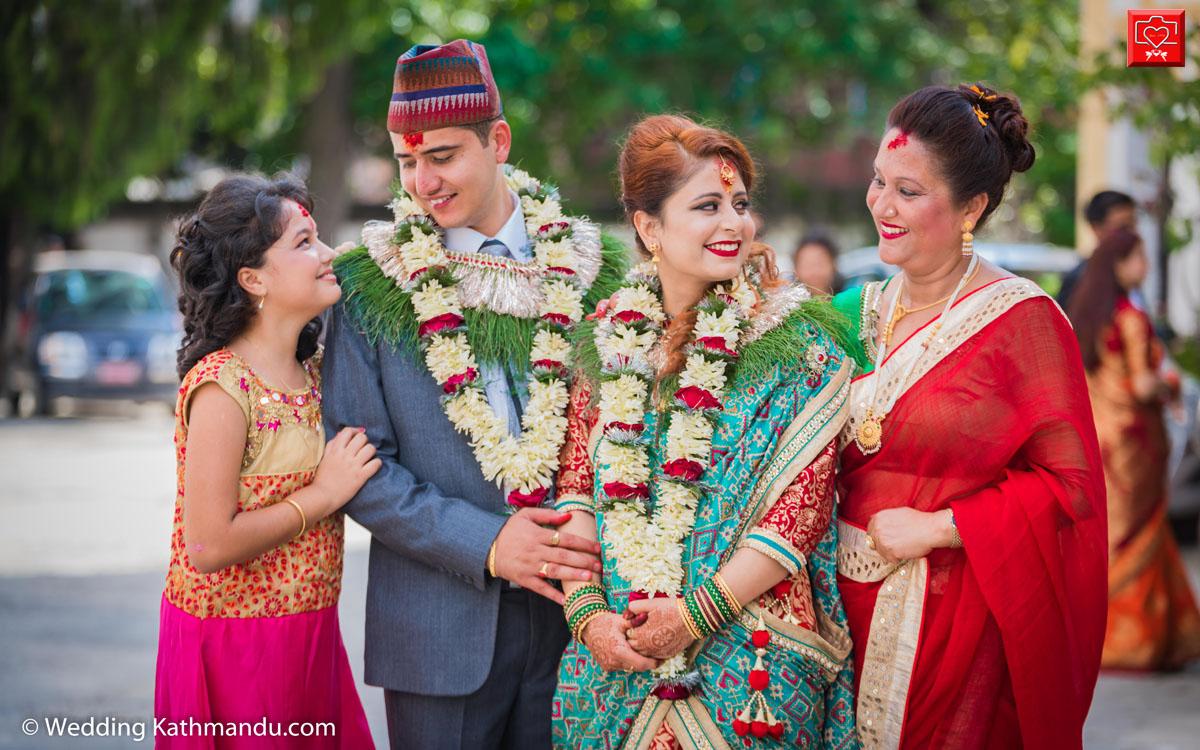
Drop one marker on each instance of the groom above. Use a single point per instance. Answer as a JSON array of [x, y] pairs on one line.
[[446, 313]]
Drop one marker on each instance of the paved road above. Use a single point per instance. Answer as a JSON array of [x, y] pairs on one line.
[[86, 505]]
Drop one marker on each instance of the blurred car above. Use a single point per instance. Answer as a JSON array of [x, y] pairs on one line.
[[1045, 265], [96, 324]]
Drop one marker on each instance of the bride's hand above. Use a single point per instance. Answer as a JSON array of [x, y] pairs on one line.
[[909, 534], [663, 634], [605, 637]]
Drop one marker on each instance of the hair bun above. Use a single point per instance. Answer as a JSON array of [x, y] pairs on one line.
[[1004, 113], [1010, 122]]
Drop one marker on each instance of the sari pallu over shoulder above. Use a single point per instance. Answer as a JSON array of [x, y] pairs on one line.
[[996, 644], [770, 430]]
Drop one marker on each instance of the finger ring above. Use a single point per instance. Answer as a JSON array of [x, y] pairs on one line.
[[870, 542], [542, 570], [554, 540]]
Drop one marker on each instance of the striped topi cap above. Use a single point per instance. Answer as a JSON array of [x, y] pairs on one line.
[[442, 86]]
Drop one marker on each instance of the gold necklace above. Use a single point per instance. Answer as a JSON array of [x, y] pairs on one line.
[[869, 434], [901, 311]]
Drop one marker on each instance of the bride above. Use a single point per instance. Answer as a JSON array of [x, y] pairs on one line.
[[700, 453]]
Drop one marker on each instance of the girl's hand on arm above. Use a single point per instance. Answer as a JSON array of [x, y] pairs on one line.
[[216, 532], [348, 463], [582, 525]]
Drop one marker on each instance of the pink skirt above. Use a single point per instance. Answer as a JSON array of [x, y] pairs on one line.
[[260, 682]]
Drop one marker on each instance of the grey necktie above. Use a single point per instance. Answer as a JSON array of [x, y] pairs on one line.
[[500, 250]]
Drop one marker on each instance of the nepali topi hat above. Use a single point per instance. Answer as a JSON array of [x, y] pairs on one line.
[[442, 86]]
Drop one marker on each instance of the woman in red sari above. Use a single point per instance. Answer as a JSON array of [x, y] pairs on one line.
[[1153, 622], [972, 548]]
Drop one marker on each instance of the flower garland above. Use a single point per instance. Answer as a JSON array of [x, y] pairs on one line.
[[647, 543], [524, 466]]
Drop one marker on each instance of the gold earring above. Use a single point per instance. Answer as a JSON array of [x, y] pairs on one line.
[[968, 239], [654, 248], [262, 300]]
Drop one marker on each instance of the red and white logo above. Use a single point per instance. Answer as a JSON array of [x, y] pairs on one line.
[[1155, 39]]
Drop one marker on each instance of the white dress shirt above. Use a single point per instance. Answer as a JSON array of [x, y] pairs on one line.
[[467, 240]]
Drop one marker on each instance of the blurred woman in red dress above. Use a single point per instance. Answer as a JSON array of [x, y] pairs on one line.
[[1153, 622]]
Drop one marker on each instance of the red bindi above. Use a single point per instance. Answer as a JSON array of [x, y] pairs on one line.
[[412, 140], [725, 173], [898, 141], [312, 223]]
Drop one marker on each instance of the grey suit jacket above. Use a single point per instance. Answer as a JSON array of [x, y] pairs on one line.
[[431, 608]]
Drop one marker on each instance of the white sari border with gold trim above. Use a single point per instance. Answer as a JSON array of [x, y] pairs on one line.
[[968, 317], [891, 650]]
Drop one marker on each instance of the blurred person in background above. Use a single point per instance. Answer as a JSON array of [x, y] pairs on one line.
[[815, 264], [1153, 622], [1106, 211]]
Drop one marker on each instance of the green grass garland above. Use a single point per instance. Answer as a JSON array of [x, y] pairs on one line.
[[385, 312]]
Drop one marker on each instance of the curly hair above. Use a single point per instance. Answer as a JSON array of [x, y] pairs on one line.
[[232, 229]]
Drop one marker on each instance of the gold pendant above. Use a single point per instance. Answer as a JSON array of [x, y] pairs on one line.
[[869, 435]]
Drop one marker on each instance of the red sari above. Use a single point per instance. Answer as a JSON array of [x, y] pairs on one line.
[[996, 644], [1153, 621]]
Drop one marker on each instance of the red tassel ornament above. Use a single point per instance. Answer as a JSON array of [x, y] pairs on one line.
[[759, 727], [741, 724]]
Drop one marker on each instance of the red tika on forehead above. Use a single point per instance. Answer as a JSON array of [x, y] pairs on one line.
[[898, 141], [726, 173], [412, 140]]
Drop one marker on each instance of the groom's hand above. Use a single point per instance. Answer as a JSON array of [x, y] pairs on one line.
[[527, 554]]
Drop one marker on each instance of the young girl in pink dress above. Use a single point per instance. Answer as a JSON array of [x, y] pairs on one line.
[[249, 630]]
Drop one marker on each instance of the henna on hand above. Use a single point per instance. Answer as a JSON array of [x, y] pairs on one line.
[[605, 638], [664, 634]]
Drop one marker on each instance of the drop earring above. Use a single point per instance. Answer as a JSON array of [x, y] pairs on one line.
[[968, 239], [262, 300], [654, 248]]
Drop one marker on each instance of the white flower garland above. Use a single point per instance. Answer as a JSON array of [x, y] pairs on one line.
[[524, 467], [648, 545]]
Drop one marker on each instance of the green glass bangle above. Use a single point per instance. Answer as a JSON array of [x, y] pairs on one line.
[[712, 613], [584, 611], [698, 618], [718, 596]]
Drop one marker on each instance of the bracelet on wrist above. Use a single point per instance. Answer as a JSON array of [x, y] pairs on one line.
[[708, 607], [583, 605], [491, 560], [955, 540]]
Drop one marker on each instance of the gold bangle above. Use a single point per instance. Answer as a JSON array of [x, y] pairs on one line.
[[955, 540], [727, 593], [491, 560], [303, 518], [687, 619], [583, 623]]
